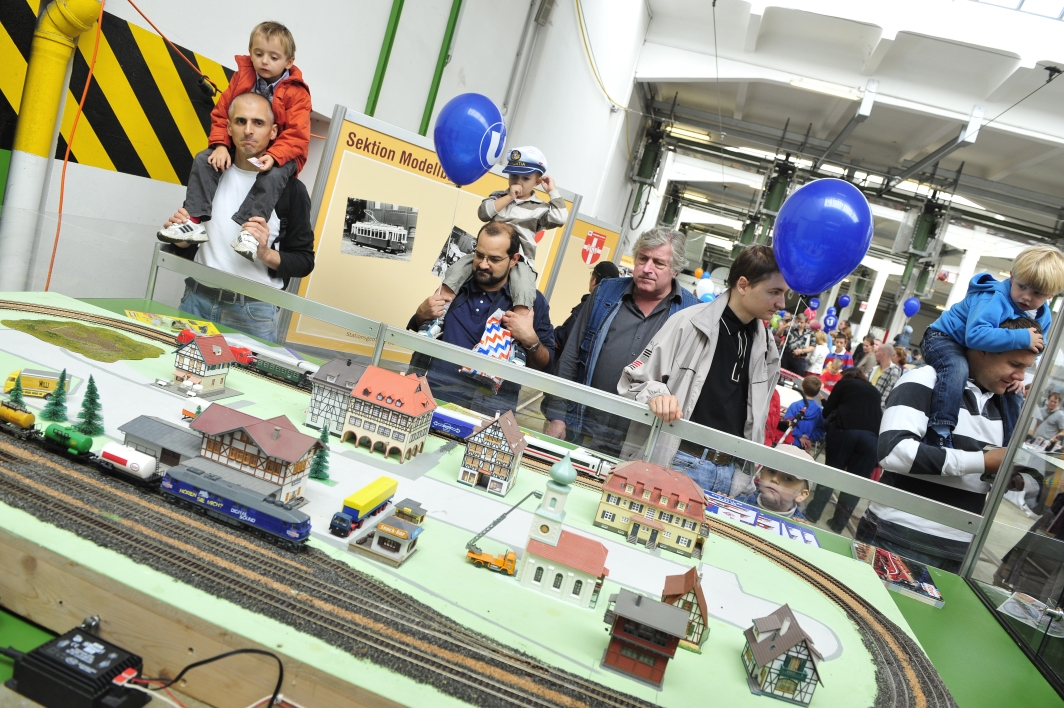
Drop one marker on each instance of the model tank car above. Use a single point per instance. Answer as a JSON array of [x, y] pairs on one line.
[[70, 440], [16, 420], [128, 462]]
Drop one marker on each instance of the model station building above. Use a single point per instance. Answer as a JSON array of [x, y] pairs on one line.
[[780, 658], [560, 563], [644, 634], [654, 506], [685, 591], [330, 398], [271, 450], [204, 361], [493, 454], [394, 539], [169, 443]]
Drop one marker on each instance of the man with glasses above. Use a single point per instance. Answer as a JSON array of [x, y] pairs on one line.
[[495, 255]]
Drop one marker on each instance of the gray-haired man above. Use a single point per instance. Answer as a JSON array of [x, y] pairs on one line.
[[619, 320]]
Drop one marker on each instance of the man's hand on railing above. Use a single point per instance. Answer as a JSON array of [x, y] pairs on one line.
[[666, 407]]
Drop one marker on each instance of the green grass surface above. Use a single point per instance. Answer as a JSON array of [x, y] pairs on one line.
[[96, 343], [19, 634]]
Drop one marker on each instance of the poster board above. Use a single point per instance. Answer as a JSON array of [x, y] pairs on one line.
[[589, 243], [380, 180]]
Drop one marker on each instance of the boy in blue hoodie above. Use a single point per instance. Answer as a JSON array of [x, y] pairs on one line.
[[973, 323], [810, 427]]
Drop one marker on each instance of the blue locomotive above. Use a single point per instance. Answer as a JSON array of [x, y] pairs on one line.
[[230, 503]]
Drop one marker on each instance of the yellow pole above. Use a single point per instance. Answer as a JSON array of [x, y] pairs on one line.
[[53, 45]]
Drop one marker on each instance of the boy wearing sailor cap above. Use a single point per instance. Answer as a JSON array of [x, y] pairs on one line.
[[528, 214]]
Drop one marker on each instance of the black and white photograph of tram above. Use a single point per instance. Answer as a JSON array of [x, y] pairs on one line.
[[379, 230]]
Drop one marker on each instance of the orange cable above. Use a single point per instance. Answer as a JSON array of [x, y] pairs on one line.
[[70, 142], [172, 46]]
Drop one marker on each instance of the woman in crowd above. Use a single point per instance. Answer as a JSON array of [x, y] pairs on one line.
[[853, 414]]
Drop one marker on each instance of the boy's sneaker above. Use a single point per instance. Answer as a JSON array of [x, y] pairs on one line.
[[519, 356], [246, 245], [432, 329], [934, 439], [177, 233]]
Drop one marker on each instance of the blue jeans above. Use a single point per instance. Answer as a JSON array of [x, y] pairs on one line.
[[259, 319], [713, 478], [947, 358]]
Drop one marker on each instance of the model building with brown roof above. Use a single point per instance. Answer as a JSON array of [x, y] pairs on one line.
[[330, 394], [655, 506], [556, 562], [685, 591], [272, 450], [204, 361], [780, 658], [390, 412], [493, 454]]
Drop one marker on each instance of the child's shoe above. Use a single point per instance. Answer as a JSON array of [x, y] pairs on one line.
[[246, 245], [432, 329], [519, 356], [188, 231], [936, 439]]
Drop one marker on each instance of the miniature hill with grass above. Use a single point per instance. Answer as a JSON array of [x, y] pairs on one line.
[[96, 343]]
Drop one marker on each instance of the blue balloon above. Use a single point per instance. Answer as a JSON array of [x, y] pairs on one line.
[[469, 137], [911, 307], [830, 323], [705, 275], [708, 297], [814, 303], [782, 313], [844, 301], [821, 234], [831, 311]]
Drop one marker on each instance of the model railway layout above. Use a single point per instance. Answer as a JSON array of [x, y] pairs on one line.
[[311, 592]]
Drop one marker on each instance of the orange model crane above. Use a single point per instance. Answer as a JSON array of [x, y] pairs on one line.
[[505, 563]]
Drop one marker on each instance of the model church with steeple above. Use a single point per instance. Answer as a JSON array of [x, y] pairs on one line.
[[561, 563]]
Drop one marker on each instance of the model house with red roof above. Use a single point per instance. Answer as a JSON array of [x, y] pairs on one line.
[[493, 454], [271, 450], [204, 361], [389, 412], [654, 506], [561, 563], [685, 591], [780, 658], [644, 634]]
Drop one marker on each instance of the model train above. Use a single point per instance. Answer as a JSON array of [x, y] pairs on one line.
[[277, 366], [190, 487], [457, 425]]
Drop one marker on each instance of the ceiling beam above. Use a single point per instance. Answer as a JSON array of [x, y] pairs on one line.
[[740, 99], [761, 134], [966, 137], [863, 111], [1024, 164]]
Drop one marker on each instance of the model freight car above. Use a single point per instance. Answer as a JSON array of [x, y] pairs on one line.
[[368, 501], [127, 462], [232, 504], [40, 384], [17, 420], [69, 440]]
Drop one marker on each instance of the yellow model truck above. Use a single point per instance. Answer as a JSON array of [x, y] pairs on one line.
[[40, 384]]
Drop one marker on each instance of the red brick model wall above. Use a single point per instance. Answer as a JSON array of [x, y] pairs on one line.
[[655, 674]]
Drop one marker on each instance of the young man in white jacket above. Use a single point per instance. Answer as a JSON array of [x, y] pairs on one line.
[[716, 365]]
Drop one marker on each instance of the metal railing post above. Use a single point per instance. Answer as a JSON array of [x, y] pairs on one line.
[[652, 439], [153, 273], [1019, 437]]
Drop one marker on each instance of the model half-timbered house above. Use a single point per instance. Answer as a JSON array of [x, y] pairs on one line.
[[685, 591], [493, 454], [390, 412], [271, 450], [330, 397], [780, 658], [204, 361]]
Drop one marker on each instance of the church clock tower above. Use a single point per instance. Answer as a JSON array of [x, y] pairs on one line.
[[547, 519]]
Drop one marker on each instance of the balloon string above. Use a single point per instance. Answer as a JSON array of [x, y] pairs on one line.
[[787, 337]]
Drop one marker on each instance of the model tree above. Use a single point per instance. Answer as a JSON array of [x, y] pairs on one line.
[[319, 466], [55, 410], [91, 420], [15, 396]]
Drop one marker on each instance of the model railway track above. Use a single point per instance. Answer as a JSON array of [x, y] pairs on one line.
[[338, 610], [904, 674], [582, 479], [141, 330]]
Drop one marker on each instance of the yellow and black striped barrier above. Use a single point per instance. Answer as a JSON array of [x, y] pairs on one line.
[[144, 114]]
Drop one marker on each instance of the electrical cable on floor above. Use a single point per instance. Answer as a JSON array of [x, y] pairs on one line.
[[166, 683]]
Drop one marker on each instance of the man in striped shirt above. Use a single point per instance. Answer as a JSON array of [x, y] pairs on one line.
[[961, 476]]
